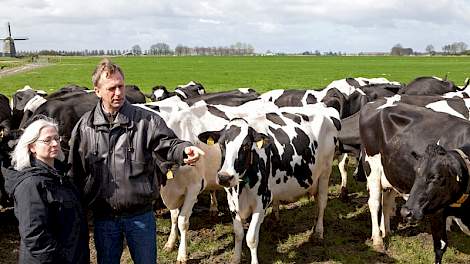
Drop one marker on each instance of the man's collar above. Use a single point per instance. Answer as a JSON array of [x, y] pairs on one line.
[[121, 118]]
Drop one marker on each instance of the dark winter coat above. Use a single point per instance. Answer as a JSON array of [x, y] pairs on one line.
[[115, 163], [52, 224]]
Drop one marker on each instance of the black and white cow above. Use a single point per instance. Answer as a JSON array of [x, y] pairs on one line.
[[291, 97], [180, 193], [429, 86], [186, 91], [235, 97], [349, 85], [278, 156], [393, 136], [25, 99]]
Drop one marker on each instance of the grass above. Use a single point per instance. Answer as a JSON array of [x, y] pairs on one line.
[[223, 73], [7, 62]]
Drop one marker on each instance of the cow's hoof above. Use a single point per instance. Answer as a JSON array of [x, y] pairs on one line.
[[181, 262], [168, 248], [379, 248]]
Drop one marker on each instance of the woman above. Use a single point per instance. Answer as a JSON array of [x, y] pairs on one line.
[[52, 225]]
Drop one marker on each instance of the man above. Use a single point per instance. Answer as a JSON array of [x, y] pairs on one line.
[[114, 152]]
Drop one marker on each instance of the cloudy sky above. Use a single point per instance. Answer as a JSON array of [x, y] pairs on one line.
[[276, 25]]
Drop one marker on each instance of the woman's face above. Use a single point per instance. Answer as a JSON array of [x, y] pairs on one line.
[[46, 148]]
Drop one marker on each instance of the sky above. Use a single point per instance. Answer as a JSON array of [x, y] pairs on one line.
[[289, 26]]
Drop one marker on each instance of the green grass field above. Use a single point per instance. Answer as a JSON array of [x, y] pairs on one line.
[[347, 225], [223, 73]]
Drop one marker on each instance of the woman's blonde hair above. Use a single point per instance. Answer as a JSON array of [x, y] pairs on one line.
[[21, 154]]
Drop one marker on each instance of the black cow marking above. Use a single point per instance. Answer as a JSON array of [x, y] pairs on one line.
[[353, 82], [311, 99], [302, 171], [282, 162], [459, 107], [337, 123], [217, 112], [275, 118], [293, 117]]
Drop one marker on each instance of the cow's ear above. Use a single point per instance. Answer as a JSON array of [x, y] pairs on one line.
[[261, 140], [416, 155], [209, 137]]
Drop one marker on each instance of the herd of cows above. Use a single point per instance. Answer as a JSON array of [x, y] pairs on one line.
[[263, 149]]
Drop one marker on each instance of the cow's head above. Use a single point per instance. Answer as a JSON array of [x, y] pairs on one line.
[[189, 90], [159, 93], [239, 143], [437, 182], [336, 99]]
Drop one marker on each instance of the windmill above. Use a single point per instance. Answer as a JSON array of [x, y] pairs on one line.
[[9, 44]]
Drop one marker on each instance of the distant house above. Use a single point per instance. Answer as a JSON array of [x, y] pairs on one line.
[[399, 51], [129, 53]]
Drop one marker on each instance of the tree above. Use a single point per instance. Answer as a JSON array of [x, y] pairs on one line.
[[430, 49], [136, 50], [160, 49]]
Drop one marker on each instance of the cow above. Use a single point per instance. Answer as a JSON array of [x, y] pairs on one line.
[[186, 91], [180, 193], [5, 128], [429, 86], [440, 189], [159, 93], [276, 156], [348, 85], [393, 136], [23, 100], [134, 95], [235, 97], [291, 97]]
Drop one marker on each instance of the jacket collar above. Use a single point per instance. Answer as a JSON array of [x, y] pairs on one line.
[[122, 118]]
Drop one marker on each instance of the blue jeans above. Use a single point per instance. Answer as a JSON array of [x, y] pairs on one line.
[[140, 233]]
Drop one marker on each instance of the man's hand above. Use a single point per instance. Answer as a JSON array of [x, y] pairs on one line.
[[193, 154]]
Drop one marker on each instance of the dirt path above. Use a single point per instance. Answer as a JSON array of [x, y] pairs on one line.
[[23, 68]]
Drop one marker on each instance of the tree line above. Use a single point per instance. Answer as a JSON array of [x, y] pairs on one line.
[[455, 48], [160, 49]]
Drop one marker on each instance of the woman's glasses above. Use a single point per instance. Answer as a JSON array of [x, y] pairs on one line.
[[49, 140]]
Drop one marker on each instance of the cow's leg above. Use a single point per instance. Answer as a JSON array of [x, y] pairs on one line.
[[322, 198], [439, 236], [388, 210], [342, 166], [214, 211], [239, 234], [252, 236], [375, 197], [171, 242], [183, 222]]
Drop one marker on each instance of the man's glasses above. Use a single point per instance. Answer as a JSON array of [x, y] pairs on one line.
[[48, 141]]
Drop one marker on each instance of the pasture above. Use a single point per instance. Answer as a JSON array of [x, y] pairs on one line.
[[347, 224], [223, 73]]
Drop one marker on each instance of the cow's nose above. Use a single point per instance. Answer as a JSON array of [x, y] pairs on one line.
[[405, 212], [225, 178]]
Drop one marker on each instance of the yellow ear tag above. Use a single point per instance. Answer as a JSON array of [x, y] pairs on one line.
[[260, 143], [210, 141], [169, 175]]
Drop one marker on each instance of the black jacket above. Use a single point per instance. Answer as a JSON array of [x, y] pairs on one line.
[[115, 164], [52, 224]]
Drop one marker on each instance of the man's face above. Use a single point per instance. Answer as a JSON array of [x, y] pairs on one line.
[[112, 91]]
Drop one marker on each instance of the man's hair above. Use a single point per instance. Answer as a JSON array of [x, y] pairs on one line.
[[105, 66], [21, 154]]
